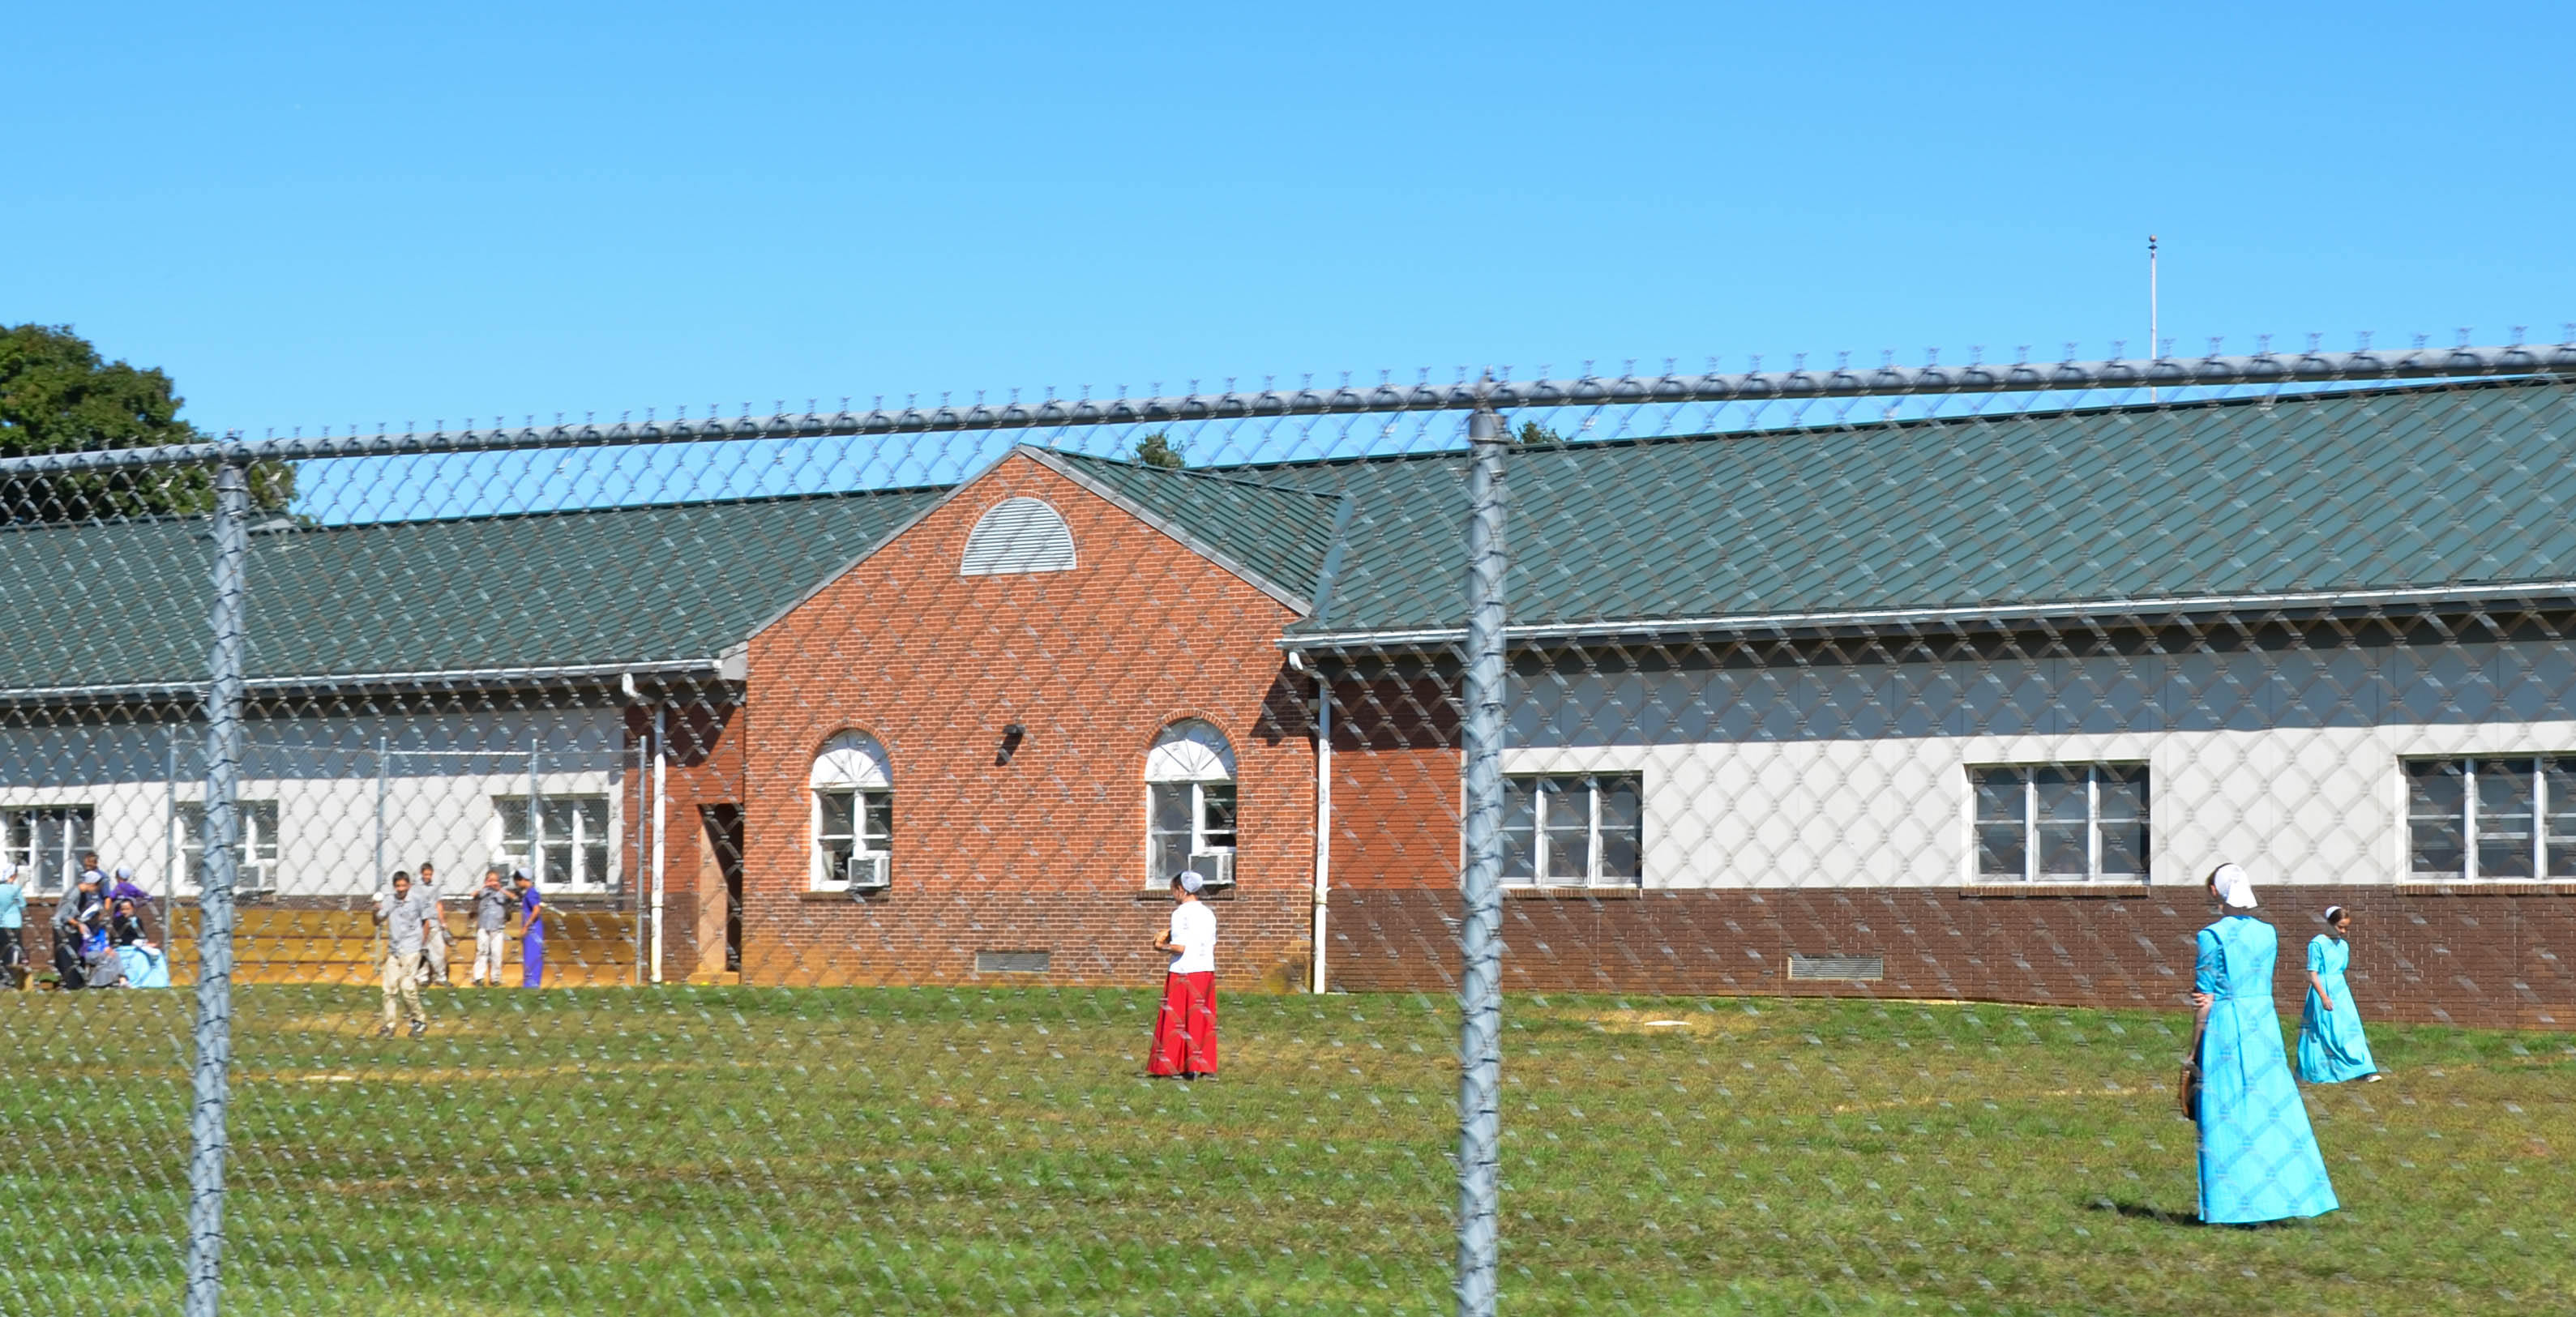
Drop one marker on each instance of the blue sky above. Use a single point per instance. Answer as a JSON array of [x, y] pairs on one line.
[[324, 215]]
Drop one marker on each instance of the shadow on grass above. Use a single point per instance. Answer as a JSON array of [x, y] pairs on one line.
[[2147, 1212]]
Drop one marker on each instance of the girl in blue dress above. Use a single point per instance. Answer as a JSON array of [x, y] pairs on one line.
[[2332, 1049], [2258, 1155]]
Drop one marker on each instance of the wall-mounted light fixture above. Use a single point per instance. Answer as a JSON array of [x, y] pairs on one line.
[[1012, 735]]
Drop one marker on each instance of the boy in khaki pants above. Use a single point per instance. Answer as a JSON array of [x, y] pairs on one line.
[[406, 922]]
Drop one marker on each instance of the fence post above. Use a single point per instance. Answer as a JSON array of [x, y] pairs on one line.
[[1480, 1001], [215, 896]]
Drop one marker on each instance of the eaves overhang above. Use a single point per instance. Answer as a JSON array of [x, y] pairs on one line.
[[2107, 614]]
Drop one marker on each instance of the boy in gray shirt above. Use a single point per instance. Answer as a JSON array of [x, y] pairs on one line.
[[406, 919], [492, 905]]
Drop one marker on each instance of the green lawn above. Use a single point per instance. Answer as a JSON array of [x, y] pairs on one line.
[[750, 1150]]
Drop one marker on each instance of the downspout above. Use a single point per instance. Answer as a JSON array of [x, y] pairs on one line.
[[1323, 818], [661, 797], [634, 828]]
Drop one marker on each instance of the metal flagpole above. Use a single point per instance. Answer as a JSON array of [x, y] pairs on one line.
[[214, 1042], [1480, 1003]]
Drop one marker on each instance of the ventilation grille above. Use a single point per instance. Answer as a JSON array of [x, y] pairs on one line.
[[1018, 535], [1012, 962], [1848, 968]]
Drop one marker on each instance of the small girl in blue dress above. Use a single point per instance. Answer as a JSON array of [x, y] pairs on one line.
[[2332, 1049]]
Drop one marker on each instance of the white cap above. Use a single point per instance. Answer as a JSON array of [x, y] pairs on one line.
[[2235, 888], [1191, 881]]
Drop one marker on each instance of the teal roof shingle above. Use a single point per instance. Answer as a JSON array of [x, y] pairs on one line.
[[125, 605], [2339, 494]]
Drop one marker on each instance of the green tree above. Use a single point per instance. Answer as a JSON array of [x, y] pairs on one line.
[[57, 395], [1531, 434], [1157, 449]]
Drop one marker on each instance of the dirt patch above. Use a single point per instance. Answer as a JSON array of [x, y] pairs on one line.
[[1674, 1024]]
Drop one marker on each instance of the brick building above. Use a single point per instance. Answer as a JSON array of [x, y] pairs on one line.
[[1923, 709]]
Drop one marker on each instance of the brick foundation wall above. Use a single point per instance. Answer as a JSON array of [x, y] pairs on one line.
[[1044, 850], [2482, 960]]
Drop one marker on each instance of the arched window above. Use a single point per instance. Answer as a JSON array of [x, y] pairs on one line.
[[853, 815], [1189, 805], [1018, 535]]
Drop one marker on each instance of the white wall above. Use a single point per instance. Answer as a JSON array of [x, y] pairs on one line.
[[323, 774], [1830, 775]]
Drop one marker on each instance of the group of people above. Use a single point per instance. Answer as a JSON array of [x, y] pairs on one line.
[[102, 929], [416, 938], [2258, 1157]]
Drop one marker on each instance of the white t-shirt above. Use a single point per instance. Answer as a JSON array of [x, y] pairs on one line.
[[1194, 932]]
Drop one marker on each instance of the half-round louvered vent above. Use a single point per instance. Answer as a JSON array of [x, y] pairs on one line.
[[1018, 535]]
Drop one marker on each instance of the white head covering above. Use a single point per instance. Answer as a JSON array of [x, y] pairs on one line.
[[2235, 889], [124, 874], [8, 872], [1191, 881]]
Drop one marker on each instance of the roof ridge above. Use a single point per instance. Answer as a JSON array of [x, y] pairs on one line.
[[2363, 389], [1221, 475]]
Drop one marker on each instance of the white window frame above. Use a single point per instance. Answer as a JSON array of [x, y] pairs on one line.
[[852, 764], [1594, 875], [260, 821], [2030, 847], [2468, 820], [1195, 755], [538, 839], [69, 855]]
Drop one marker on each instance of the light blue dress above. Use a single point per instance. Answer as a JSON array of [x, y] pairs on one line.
[[2332, 1049], [2258, 1155]]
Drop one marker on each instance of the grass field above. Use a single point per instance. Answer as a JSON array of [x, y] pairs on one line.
[[745, 1150]]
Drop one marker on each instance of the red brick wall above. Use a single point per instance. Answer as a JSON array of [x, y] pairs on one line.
[[1396, 783], [1047, 851], [2489, 961], [705, 767]]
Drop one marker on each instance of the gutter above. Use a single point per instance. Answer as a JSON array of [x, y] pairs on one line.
[[463, 677], [2174, 607]]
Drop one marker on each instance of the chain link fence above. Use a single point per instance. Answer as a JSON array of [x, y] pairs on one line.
[[1824, 840]]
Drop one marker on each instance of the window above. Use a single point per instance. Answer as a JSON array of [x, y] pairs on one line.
[[2491, 819], [258, 866], [2061, 823], [571, 846], [1189, 805], [1018, 535], [1574, 831], [46, 844], [853, 814]]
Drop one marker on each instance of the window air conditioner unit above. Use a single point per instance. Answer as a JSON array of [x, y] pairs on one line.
[[1217, 867], [869, 872]]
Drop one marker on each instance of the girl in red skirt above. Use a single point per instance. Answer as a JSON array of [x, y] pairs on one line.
[[1185, 1029]]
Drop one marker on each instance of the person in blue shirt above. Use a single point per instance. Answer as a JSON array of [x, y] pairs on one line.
[[2332, 1049], [126, 889], [13, 925], [2258, 1154]]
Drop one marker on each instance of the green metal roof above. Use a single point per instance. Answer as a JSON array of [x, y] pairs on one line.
[[1280, 532], [126, 605], [2409, 489], [2378, 490]]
